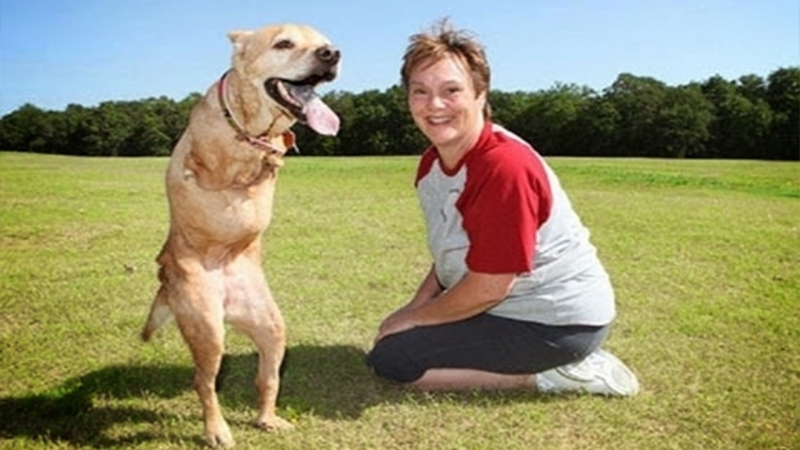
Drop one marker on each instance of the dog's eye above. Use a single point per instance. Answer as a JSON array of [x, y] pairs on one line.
[[284, 44]]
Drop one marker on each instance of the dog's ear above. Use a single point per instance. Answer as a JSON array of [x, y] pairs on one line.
[[239, 38]]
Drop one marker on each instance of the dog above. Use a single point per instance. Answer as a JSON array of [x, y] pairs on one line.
[[220, 184]]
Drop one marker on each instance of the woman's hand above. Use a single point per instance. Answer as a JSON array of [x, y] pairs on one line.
[[399, 321], [474, 294], [403, 319]]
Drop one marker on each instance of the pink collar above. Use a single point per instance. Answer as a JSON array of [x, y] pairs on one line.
[[256, 141]]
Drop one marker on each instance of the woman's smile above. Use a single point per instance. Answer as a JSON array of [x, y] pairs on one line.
[[446, 108]]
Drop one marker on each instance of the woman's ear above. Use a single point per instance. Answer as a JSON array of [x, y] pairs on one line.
[[485, 107], [482, 98]]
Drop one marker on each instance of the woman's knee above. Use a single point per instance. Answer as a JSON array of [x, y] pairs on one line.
[[389, 360]]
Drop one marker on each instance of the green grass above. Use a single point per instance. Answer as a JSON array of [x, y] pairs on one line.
[[705, 257]]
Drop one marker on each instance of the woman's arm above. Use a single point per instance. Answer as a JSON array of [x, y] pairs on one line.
[[474, 294], [427, 290]]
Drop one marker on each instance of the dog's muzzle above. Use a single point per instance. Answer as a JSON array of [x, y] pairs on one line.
[[329, 55], [299, 98]]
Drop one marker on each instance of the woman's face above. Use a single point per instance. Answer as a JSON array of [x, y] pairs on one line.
[[445, 106]]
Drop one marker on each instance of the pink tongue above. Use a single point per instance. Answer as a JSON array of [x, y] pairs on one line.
[[321, 118]]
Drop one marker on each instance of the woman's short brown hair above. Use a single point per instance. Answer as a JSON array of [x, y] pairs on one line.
[[441, 41]]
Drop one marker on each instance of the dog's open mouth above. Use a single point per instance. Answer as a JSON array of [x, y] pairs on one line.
[[300, 99]]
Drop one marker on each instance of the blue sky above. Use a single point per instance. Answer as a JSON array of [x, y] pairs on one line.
[[57, 52]]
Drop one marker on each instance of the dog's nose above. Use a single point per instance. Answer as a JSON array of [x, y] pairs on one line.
[[328, 54]]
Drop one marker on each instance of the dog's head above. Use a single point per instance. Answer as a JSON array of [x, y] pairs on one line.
[[283, 64]]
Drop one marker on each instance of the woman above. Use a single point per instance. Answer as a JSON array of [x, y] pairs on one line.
[[516, 296]]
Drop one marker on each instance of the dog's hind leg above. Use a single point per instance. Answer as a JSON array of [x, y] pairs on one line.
[[256, 314], [201, 321], [270, 339]]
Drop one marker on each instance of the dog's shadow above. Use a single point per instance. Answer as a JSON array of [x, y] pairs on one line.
[[327, 381], [71, 412]]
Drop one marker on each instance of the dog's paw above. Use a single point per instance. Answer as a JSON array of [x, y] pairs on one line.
[[273, 423], [219, 436]]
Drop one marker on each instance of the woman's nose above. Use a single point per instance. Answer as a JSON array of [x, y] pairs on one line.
[[435, 101]]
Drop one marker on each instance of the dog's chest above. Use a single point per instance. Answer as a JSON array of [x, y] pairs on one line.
[[224, 216], [242, 216]]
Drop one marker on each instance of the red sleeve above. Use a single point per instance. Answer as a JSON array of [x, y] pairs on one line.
[[426, 161], [506, 199]]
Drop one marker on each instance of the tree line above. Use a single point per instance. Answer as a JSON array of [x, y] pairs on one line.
[[751, 117]]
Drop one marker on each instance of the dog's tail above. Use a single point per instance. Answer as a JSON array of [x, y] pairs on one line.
[[159, 314]]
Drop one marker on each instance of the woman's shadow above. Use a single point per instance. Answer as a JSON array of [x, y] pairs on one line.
[[327, 381]]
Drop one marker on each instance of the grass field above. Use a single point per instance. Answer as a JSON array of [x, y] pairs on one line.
[[705, 257]]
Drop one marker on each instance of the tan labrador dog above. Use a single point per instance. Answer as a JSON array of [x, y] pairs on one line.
[[220, 184]]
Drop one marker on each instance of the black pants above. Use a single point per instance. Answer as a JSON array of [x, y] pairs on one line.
[[484, 342]]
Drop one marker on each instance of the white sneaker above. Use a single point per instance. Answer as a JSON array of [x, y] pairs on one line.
[[599, 373]]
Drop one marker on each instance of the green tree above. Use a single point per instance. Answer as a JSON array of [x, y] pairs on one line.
[[635, 116], [508, 109], [683, 123], [741, 119], [752, 87], [594, 132], [147, 139], [20, 130], [404, 136], [551, 115], [783, 96], [658, 121], [638, 101]]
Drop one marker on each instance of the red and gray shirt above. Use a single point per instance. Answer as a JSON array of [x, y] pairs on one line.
[[503, 210]]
